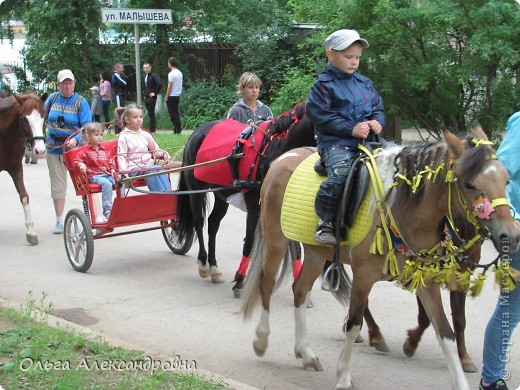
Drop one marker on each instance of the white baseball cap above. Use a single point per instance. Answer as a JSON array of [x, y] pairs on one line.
[[94, 88], [341, 39], [65, 74]]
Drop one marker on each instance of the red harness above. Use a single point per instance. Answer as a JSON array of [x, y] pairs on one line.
[[219, 143]]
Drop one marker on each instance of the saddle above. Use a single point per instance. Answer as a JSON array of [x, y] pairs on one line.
[[354, 191], [234, 161], [219, 143], [299, 218]]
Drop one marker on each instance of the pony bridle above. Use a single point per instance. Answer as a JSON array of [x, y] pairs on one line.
[[27, 135], [428, 261], [482, 207]]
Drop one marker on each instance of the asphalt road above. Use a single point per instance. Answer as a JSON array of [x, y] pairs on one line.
[[139, 292]]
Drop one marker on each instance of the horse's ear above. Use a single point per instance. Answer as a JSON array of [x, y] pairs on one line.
[[454, 143], [44, 96], [477, 131], [17, 98]]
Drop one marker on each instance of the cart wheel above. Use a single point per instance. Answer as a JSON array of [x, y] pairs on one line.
[[79, 240], [172, 240]]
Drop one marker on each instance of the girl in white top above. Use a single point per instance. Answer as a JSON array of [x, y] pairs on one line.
[[136, 149]]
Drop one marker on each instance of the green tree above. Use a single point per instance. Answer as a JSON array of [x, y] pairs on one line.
[[63, 34], [438, 63], [259, 29]]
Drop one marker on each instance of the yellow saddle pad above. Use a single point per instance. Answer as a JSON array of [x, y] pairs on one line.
[[299, 220]]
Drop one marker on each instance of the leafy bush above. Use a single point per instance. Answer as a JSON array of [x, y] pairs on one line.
[[294, 90], [204, 102]]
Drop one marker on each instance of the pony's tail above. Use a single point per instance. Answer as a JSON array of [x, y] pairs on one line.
[[345, 283], [251, 293], [185, 224], [251, 297]]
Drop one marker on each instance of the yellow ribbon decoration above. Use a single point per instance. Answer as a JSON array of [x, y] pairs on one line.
[[477, 285]]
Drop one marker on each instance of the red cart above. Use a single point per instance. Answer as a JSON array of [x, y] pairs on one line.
[[82, 227]]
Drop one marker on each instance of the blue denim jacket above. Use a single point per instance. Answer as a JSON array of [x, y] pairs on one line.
[[337, 102]]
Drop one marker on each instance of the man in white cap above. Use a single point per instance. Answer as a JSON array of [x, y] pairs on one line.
[[345, 109], [66, 112]]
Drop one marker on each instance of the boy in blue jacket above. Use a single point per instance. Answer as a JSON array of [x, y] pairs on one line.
[[345, 109]]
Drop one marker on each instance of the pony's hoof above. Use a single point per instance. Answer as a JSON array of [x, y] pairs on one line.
[[259, 351], [341, 387], [237, 293], [239, 285], [408, 350], [359, 339], [32, 239], [315, 365], [203, 269], [469, 366], [216, 275], [381, 347], [310, 305]]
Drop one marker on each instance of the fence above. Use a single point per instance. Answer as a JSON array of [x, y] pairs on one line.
[[207, 60]]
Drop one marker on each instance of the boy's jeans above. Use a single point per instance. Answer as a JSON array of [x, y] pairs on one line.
[[338, 160]]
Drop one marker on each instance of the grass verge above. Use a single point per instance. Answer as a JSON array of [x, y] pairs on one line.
[[34, 355]]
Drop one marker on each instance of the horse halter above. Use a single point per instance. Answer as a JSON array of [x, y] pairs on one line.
[[427, 264], [482, 207], [28, 136]]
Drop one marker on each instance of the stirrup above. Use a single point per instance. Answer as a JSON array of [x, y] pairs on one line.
[[334, 270]]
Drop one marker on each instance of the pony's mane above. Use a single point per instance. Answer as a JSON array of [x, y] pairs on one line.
[[292, 129], [283, 122], [30, 102], [409, 163], [385, 163], [414, 161]]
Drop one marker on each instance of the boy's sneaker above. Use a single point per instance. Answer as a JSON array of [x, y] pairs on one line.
[[325, 234], [498, 385], [58, 229]]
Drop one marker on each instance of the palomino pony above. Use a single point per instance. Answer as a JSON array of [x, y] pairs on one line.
[[462, 172], [21, 122], [289, 130]]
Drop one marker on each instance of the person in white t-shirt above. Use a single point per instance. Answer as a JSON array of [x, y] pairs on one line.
[[173, 94]]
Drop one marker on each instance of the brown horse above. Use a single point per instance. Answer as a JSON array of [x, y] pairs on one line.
[[460, 174], [21, 122]]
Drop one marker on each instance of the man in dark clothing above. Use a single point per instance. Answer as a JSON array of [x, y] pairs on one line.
[[151, 87], [118, 85]]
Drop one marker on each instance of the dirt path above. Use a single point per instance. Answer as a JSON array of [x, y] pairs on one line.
[[138, 291]]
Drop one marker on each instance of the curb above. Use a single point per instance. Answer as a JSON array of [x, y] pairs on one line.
[[60, 323]]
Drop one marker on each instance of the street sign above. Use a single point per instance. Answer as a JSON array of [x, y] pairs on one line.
[[135, 15]]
